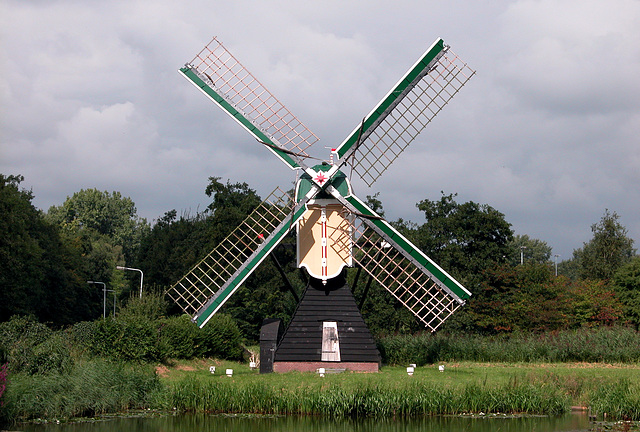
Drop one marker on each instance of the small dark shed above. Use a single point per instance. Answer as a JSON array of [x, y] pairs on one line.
[[270, 334]]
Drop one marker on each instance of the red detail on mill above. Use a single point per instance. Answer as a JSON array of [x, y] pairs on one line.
[[320, 178]]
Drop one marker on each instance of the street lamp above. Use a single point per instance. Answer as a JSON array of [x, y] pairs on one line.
[[104, 298], [556, 257], [522, 248], [134, 269]]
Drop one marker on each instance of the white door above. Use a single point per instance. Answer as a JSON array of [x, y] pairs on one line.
[[330, 342]]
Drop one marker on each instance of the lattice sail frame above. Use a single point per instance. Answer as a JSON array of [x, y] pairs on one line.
[[207, 279], [406, 120], [410, 285], [390, 128], [216, 66]]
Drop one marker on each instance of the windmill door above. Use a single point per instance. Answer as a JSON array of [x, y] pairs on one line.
[[330, 341]]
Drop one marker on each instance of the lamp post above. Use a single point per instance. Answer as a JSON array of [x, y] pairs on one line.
[[522, 248], [104, 297], [134, 269], [556, 257]]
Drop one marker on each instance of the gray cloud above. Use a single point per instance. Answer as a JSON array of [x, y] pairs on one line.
[[547, 132]]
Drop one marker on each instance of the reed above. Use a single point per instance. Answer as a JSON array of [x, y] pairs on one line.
[[620, 400], [371, 399], [98, 387], [613, 345], [94, 387]]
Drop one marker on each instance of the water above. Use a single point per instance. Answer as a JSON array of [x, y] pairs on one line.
[[240, 423]]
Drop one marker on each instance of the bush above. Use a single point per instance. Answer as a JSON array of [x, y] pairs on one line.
[[82, 336], [126, 339], [52, 355], [33, 348], [220, 338], [3, 380], [133, 338], [150, 307], [177, 337]]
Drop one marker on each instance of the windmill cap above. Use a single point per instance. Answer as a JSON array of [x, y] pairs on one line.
[[338, 181]]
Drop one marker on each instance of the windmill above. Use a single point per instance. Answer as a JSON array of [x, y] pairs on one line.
[[335, 229]]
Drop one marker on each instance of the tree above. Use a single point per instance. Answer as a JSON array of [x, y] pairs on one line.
[[375, 204], [175, 244], [530, 297], [40, 275], [462, 238], [263, 294], [626, 283], [21, 271], [232, 203], [594, 303], [108, 231], [108, 214], [172, 247], [608, 250], [517, 298], [533, 250]]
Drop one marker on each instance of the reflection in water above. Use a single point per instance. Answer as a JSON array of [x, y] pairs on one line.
[[218, 423]]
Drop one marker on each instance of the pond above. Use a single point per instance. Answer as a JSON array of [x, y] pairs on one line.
[[244, 423]]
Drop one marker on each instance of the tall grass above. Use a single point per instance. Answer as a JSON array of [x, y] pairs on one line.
[[620, 400], [99, 387], [368, 400], [612, 345], [94, 387]]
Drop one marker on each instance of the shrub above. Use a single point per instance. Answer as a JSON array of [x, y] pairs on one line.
[[52, 355], [19, 338], [180, 338], [3, 380], [137, 339], [177, 337], [126, 339], [3, 386], [82, 336], [151, 306], [220, 338]]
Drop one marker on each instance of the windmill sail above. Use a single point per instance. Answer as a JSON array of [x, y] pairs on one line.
[[404, 112], [405, 278], [423, 287], [202, 291], [220, 76], [429, 292]]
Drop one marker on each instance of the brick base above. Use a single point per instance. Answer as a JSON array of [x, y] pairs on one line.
[[329, 366]]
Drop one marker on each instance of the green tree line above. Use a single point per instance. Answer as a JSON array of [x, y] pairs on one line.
[[46, 259]]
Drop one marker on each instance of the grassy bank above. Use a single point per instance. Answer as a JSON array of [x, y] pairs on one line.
[[99, 387], [463, 387], [89, 388], [368, 400]]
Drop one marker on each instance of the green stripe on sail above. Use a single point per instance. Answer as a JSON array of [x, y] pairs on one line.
[[414, 252], [384, 104], [271, 242], [230, 109]]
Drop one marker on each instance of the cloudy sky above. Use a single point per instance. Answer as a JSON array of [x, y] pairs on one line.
[[547, 132]]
